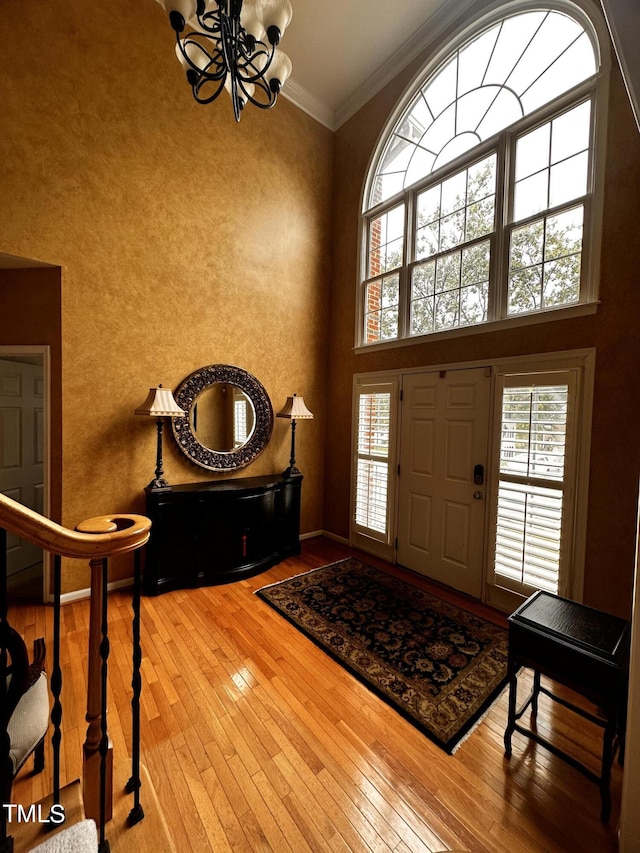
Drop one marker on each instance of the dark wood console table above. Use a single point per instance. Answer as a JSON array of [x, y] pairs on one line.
[[220, 531], [583, 649]]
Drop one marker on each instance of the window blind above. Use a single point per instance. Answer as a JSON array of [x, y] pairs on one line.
[[531, 485], [372, 468]]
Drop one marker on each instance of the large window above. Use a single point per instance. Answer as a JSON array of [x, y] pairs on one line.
[[478, 206]]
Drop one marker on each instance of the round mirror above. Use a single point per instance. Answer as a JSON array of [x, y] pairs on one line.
[[229, 417], [223, 417]]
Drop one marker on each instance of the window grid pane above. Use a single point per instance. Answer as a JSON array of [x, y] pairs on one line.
[[386, 242], [552, 163], [382, 308], [458, 210], [545, 262], [451, 291]]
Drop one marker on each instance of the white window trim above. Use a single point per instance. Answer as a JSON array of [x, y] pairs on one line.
[[590, 15]]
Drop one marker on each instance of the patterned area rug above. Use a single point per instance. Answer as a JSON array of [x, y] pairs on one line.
[[438, 665]]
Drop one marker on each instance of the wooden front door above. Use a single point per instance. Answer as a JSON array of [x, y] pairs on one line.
[[442, 484]]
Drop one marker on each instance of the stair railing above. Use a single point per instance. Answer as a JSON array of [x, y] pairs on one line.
[[96, 539]]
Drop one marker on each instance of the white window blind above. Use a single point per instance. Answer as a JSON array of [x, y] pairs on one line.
[[240, 423], [373, 436], [533, 482]]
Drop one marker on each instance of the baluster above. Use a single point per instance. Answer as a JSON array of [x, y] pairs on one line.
[[94, 803], [136, 814], [56, 680], [103, 846]]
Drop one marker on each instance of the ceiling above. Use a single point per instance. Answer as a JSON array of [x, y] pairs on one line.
[[343, 51]]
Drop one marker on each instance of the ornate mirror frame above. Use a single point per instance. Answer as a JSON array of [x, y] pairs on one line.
[[186, 395]]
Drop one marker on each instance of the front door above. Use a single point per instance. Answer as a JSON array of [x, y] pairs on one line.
[[442, 484], [22, 449]]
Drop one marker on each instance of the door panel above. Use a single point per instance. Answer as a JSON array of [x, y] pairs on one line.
[[441, 510], [422, 447], [455, 547], [420, 524], [22, 449]]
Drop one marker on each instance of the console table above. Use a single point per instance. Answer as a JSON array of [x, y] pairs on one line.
[[220, 531], [583, 649]]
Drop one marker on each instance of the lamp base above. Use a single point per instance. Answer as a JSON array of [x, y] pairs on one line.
[[291, 471], [159, 484]]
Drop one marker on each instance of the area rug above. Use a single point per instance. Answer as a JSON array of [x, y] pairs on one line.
[[440, 666]]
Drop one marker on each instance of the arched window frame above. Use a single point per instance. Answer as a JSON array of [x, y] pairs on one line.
[[589, 15]]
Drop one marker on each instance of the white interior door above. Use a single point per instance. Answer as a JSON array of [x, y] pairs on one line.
[[443, 459], [22, 449]]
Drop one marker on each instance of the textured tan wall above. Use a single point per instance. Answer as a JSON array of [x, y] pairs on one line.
[[612, 331], [184, 240], [30, 314]]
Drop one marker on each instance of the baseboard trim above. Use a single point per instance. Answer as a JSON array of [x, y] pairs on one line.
[[79, 594], [326, 533], [312, 534]]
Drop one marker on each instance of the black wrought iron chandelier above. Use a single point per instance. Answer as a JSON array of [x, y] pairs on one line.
[[232, 45]]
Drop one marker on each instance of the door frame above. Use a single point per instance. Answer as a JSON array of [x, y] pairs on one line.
[[582, 358], [44, 352]]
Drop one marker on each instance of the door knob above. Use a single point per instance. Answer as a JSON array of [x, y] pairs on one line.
[[477, 496]]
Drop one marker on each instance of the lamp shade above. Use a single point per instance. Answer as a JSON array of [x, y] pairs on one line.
[[295, 409], [251, 21], [274, 13], [160, 404], [187, 8], [280, 68]]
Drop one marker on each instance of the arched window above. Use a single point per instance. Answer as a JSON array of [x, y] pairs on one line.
[[477, 205]]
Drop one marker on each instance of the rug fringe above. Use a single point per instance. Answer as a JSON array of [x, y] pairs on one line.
[[300, 575], [465, 736]]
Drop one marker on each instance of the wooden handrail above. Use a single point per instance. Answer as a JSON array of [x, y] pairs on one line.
[[101, 536]]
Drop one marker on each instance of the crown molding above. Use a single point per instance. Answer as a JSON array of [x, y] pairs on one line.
[[309, 104]]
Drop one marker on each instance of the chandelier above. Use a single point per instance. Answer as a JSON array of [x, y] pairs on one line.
[[228, 44]]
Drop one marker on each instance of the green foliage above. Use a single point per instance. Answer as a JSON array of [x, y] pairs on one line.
[[545, 262]]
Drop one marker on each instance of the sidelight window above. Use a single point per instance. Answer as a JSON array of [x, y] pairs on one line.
[[374, 437], [535, 483]]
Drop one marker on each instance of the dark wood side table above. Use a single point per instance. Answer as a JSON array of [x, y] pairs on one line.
[[583, 649]]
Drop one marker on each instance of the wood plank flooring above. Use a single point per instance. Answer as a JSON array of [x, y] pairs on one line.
[[255, 740]]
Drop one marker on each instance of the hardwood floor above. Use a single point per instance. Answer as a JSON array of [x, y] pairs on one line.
[[255, 740]]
